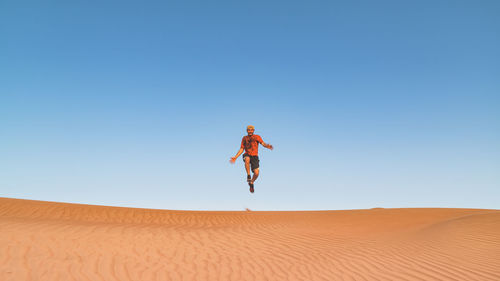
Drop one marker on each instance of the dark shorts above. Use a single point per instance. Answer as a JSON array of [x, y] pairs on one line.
[[254, 161]]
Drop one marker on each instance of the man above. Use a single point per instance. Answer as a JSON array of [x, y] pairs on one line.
[[250, 144]]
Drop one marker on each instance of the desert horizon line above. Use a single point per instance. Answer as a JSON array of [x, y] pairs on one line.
[[238, 210]]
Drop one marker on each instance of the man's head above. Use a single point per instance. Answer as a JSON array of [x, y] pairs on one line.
[[250, 130]]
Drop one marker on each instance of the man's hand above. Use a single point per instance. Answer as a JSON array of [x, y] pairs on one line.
[[232, 160], [269, 146]]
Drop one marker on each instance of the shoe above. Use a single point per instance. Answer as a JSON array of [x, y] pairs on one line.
[[251, 187]]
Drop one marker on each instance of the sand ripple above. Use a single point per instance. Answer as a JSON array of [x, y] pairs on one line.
[[58, 241]]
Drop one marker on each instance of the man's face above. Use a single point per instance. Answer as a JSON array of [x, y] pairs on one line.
[[250, 131]]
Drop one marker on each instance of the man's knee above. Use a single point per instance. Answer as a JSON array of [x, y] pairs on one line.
[[247, 160], [256, 171]]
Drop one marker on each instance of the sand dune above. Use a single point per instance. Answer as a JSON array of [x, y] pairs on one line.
[[59, 241]]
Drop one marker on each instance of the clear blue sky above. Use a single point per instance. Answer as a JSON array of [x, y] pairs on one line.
[[142, 103]]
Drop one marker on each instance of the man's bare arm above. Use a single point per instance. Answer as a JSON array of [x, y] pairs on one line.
[[233, 159], [267, 145], [239, 153]]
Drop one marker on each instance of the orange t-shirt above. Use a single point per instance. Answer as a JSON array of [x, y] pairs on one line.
[[251, 144]]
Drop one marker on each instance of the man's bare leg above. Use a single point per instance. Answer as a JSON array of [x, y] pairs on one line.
[[255, 174], [247, 167]]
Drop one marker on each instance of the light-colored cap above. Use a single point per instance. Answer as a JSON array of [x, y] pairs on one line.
[[250, 127]]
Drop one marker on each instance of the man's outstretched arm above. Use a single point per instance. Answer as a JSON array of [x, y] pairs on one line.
[[233, 159], [267, 145]]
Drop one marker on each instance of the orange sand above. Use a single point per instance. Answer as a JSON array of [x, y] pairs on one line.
[[58, 241]]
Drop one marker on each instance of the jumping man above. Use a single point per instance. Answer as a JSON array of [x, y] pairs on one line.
[[250, 144]]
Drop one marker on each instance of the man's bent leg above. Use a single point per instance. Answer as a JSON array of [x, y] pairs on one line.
[[247, 165], [255, 174]]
